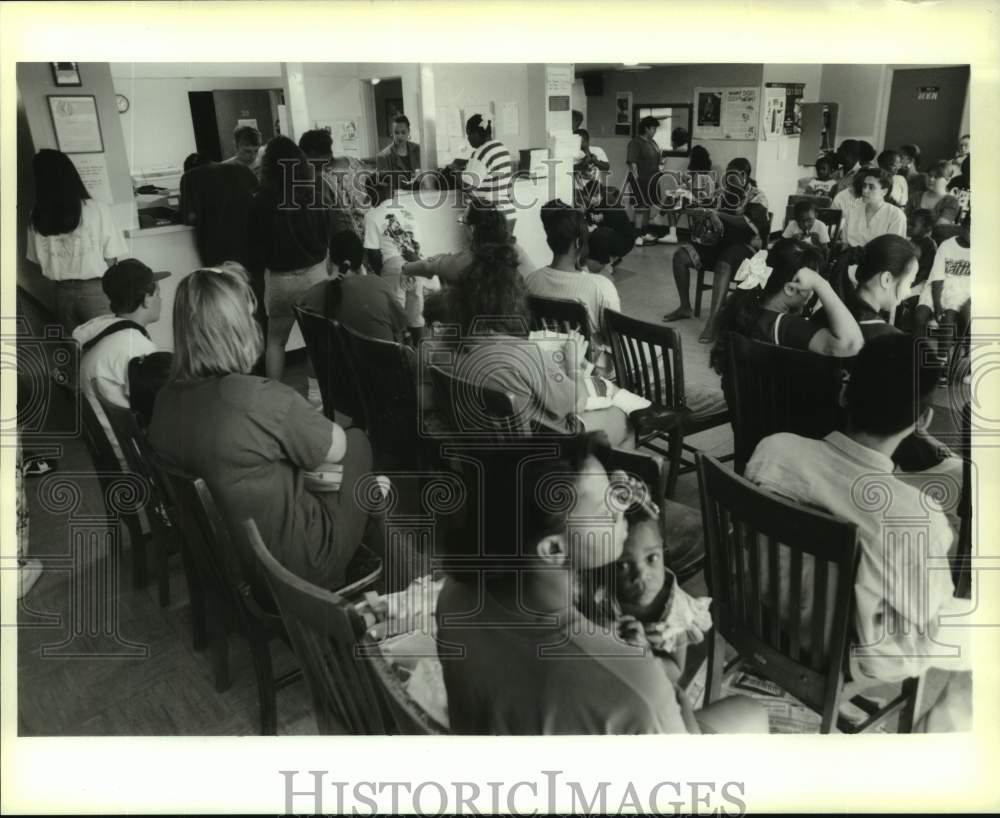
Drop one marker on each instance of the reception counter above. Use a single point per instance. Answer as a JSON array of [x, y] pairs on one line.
[[172, 247]]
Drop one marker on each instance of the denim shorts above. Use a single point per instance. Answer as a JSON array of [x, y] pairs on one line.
[[283, 290]]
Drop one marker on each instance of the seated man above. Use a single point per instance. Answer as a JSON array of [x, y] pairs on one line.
[[518, 657], [109, 342], [903, 587], [566, 235]]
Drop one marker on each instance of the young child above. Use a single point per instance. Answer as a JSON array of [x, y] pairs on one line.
[[806, 226], [947, 293], [646, 602], [823, 183], [918, 229]]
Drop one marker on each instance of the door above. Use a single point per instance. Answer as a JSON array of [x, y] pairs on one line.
[[925, 109], [250, 107], [206, 131], [388, 99]]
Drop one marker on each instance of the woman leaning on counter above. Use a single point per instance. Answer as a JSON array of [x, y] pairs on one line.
[[399, 164]]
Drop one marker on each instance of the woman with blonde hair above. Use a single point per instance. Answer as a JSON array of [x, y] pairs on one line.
[[252, 439]]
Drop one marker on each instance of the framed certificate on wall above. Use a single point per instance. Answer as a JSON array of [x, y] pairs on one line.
[[76, 124]]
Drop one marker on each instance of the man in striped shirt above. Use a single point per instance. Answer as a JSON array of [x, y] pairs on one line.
[[489, 173]]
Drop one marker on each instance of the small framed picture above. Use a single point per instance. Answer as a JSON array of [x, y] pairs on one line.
[[66, 74]]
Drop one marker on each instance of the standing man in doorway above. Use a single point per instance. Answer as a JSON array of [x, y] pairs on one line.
[[246, 139]]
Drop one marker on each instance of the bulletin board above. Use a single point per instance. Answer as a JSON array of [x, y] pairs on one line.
[[726, 113]]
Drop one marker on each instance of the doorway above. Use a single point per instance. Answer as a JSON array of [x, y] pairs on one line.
[[387, 96], [215, 114], [925, 109]]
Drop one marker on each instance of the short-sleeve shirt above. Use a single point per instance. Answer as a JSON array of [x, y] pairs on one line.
[[859, 229], [595, 292], [784, 329], [590, 683], [80, 254], [819, 230], [250, 439], [645, 155], [391, 229], [844, 199], [951, 266], [367, 304], [489, 174]]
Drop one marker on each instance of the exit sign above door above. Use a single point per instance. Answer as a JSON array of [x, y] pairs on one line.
[[928, 92]]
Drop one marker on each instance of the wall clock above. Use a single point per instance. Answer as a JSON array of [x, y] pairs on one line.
[[122, 102]]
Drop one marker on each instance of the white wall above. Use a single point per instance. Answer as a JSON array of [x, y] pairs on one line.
[[860, 92], [157, 126], [777, 170]]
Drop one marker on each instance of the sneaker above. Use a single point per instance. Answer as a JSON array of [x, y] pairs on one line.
[[670, 238], [639, 241], [28, 573]]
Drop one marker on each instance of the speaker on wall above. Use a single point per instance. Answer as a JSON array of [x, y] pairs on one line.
[[593, 84]]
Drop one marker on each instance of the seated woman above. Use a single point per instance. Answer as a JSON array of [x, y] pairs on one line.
[[935, 197], [883, 278], [484, 225], [742, 209], [770, 300], [612, 234], [676, 189], [529, 663], [252, 439], [873, 215], [550, 386], [365, 303]]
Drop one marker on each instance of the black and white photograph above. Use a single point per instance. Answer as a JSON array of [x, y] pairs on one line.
[[334, 409]]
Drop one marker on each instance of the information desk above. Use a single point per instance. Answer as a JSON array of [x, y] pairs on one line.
[[436, 212]]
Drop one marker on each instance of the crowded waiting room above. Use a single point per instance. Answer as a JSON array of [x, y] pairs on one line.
[[493, 399]]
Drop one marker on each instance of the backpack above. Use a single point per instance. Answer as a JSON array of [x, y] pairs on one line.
[[111, 329]]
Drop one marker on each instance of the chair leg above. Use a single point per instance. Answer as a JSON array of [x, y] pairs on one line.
[[716, 667], [218, 638], [137, 540], [699, 288], [676, 447], [913, 690], [266, 691], [163, 570], [199, 628]]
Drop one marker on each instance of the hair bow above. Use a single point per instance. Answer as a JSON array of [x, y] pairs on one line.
[[753, 272]]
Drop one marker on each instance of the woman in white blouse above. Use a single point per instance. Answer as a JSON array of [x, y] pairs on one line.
[[872, 216], [73, 238]]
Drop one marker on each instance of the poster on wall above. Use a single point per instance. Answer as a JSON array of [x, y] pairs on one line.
[[93, 170], [75, 122], [623, 113], [726, 113], [793, 92], [773, 123], [346, 137]]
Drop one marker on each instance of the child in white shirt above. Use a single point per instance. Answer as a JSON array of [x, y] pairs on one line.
[[806, 226]]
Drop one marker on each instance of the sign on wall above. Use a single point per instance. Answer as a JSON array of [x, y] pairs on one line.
[[623, 113], [928, 93], [726, 113]]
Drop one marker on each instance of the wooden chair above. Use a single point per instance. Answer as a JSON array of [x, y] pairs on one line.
[[649, 361], [832, 218], [236, 600], [331, 362], [559, 315], [386, 379], [680, 525], [772, 389], [164, 537], [107, 466], [476, 410], [327, 634], [790, 628]]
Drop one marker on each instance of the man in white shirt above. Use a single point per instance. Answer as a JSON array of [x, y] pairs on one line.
[[903, 590], [566, 235], [109, 342], [390, 241]]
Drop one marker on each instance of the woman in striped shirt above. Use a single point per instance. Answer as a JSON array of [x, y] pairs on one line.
[[489, 173]]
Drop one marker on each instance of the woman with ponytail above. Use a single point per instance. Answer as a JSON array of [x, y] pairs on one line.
[[884, 277], [773, 292], [365, 303]]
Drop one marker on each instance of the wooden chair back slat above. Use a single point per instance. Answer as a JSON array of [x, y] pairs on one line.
[[331, 362], [648, 359], [559, 315]]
